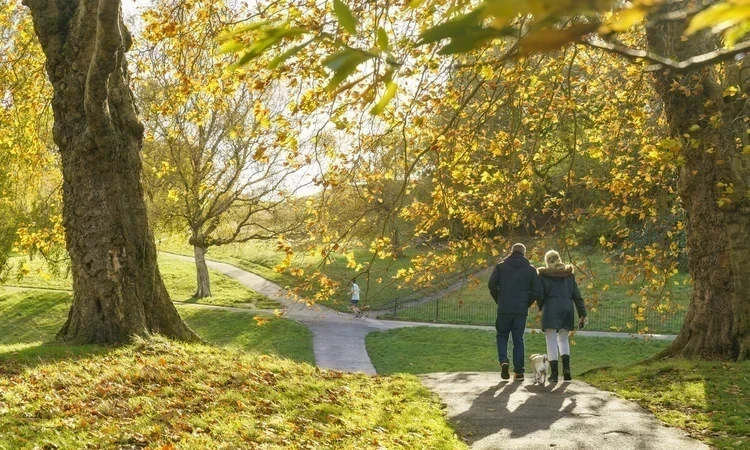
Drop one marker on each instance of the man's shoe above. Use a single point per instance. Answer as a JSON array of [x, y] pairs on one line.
[[518, 376], [504, 372]]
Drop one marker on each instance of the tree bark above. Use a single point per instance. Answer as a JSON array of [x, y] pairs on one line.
[[118, 291], [712, 133], [203, 282]]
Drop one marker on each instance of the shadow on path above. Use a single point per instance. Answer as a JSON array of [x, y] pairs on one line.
[[490, 413]]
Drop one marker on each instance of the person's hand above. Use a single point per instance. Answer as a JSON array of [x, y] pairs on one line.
[[582, 322]]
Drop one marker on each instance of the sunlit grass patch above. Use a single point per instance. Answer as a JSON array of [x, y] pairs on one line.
[[156, 393], [709, 399]]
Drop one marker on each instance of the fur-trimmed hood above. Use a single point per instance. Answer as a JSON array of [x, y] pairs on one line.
[[566, 271], [554, 267]]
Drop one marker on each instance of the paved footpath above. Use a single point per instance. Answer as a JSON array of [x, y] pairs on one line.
[[488, 413]]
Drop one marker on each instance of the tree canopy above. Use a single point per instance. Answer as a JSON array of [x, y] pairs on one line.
[[548, 116]]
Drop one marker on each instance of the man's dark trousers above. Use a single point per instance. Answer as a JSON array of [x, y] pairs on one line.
[[513, 324]]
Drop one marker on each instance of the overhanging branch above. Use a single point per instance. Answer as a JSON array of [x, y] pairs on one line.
[[660, 62]]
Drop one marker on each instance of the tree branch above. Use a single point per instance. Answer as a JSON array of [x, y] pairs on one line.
[[660, 62]]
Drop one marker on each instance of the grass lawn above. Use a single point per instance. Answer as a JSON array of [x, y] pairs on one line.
[[32, 318], [613, 312], [179, 278], [161, 394], [709, 399], [425, 350]]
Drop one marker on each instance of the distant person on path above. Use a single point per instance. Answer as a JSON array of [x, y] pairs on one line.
[[560, 293], [355, 298], [514, 285]]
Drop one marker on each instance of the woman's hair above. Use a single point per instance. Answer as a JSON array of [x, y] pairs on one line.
[[553, 261]]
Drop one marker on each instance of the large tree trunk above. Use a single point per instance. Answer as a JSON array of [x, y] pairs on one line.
[[203, 282], [717, 324], [118, 292]]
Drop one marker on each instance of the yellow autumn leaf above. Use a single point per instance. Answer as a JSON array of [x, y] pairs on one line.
[[623, 20], [719, 17]]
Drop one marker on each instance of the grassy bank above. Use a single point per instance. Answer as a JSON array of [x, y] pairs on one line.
[[160, 394], [709, 399], [425, 350]]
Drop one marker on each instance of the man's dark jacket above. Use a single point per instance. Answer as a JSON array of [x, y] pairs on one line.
[[514, 285]]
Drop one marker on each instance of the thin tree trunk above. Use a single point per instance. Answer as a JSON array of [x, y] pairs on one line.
[[118, 291], [717, 324], [398, 252], [203, 282]]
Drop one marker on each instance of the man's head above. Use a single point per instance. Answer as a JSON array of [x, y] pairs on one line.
[[518, 248]]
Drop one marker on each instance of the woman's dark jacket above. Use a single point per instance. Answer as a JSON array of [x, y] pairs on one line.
[[560, 293]]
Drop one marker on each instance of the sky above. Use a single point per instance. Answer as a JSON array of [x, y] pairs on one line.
[[130, 7]]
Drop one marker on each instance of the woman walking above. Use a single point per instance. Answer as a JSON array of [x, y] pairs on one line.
[[560, 293]]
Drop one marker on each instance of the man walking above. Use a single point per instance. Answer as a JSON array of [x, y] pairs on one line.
[[514, 285]]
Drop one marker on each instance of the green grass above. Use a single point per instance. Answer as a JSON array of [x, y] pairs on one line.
[[711, 400], [230, 329], [30, 319], [613, 312], [36, 273], [179, 278], [425, 350], [259, 257], [161, 394]]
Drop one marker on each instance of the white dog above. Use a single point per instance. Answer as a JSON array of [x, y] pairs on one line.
[[540, 366]]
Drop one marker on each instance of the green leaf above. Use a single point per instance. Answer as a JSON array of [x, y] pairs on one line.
[[451, 29], [242, 29], [503, 10], [344, 14], [383, 40], [277, 61], [468, 41], [344, 63], [272, 37], [390, 92]]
